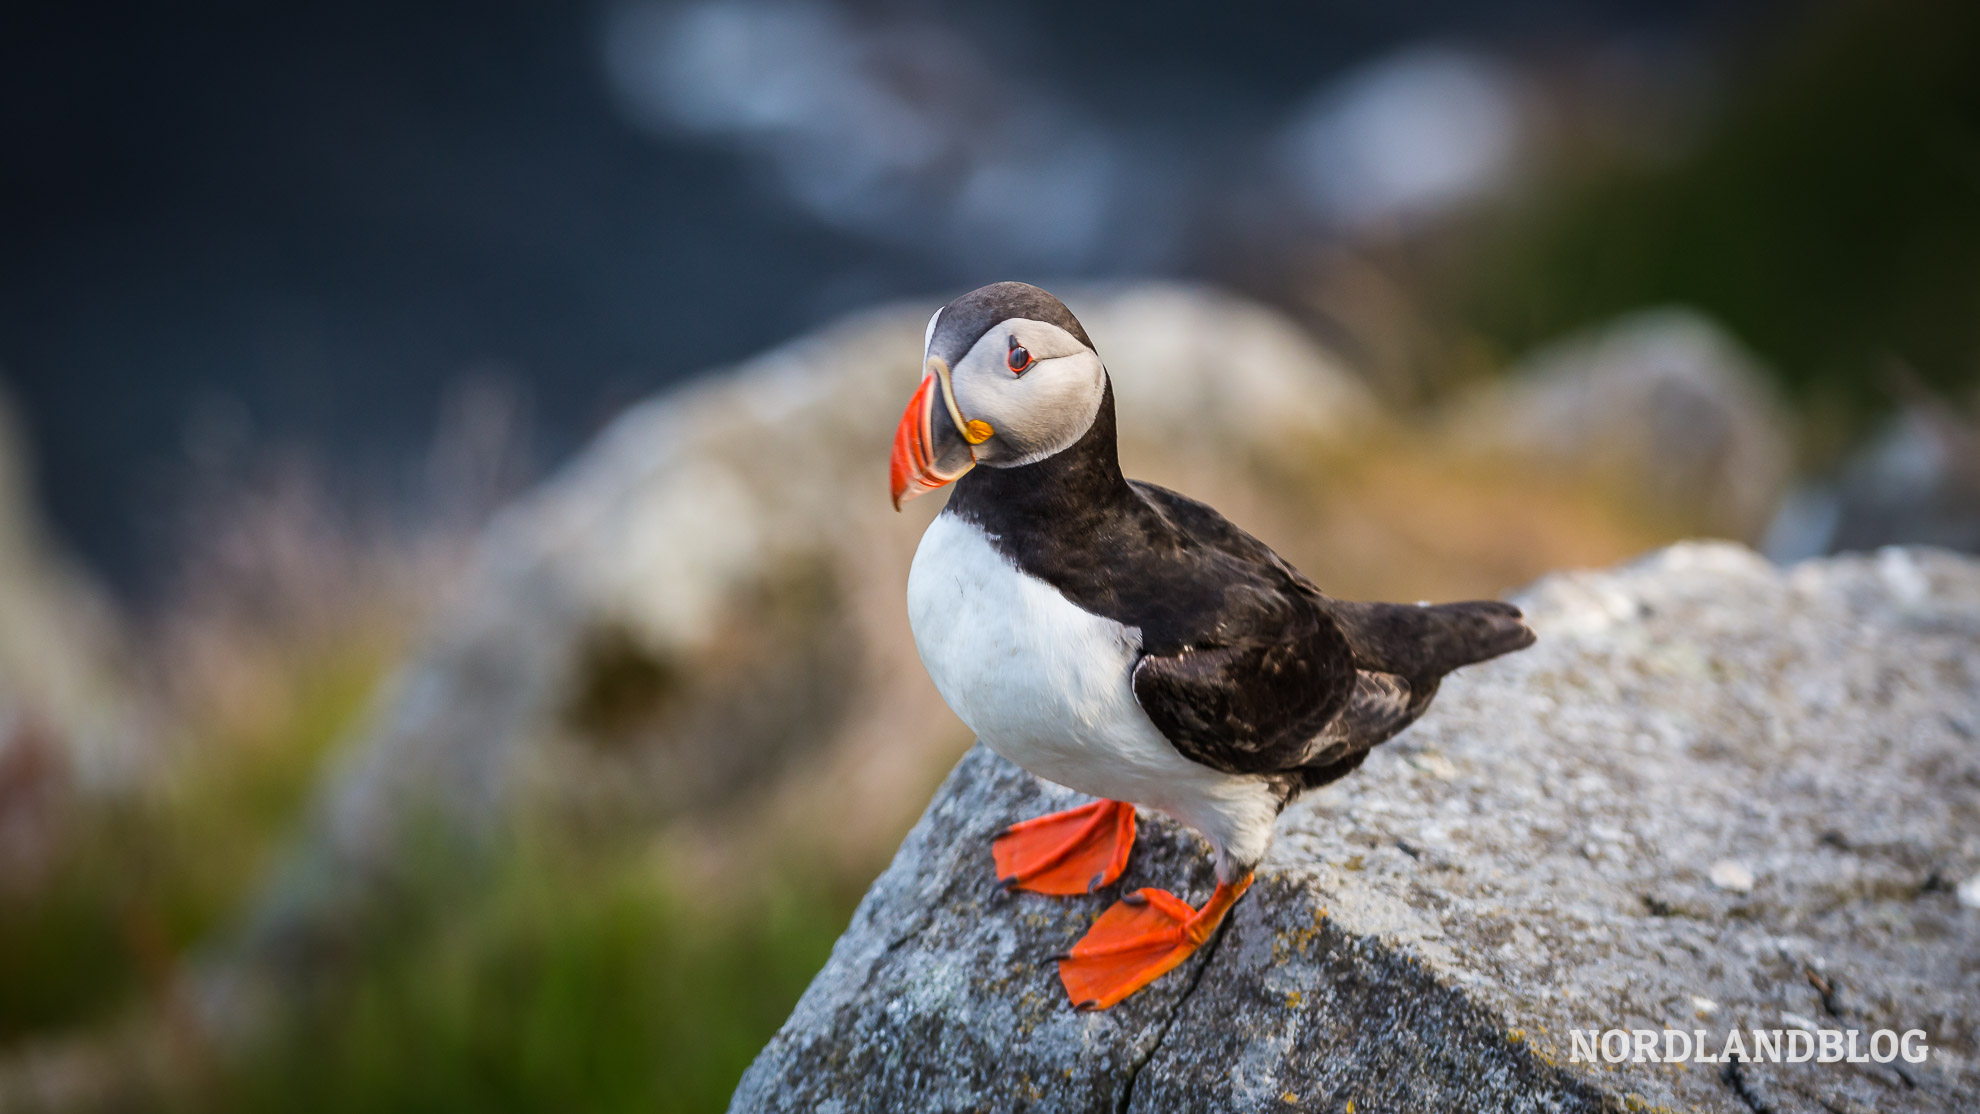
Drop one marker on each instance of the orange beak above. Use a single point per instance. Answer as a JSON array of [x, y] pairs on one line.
[[931, 449]]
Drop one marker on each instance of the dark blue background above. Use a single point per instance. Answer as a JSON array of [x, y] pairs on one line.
[[327, 213]]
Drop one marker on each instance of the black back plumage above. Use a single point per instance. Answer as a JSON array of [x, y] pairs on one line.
[[1245, 666]]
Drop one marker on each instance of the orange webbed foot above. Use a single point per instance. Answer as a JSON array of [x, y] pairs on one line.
[[1072, 852], [1144, 936]]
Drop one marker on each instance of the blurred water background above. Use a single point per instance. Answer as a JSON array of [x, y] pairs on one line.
[[450, 643]]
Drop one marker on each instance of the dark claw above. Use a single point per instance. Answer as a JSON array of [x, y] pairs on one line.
[[1007, 884], [1058, 957], [1097, 880], [1088, 1006], [1134, 898]]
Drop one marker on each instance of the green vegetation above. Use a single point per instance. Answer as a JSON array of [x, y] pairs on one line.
[[136, 882], [556, 988], [558, 978], [1830, 216]]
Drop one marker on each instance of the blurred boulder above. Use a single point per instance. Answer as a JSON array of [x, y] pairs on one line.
[[1716, 795], [1916, 483], [1662, 403], [699, 625]]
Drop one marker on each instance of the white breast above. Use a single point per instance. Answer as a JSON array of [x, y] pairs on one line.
[[1049, 686]]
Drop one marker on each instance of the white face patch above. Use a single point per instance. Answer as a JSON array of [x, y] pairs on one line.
[[1039, 411]]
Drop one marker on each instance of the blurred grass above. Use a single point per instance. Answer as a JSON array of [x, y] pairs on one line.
[[566, 977], [563, 986], [138, 880]]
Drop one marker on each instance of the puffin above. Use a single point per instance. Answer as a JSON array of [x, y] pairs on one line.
[[1128, 642]]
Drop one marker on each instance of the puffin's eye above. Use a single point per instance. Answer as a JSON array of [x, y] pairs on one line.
[[1019, 359]]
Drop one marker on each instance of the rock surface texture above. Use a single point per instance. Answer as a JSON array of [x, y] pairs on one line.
[[1716, 795]]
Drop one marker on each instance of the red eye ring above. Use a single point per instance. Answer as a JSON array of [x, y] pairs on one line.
[[1018, 359]]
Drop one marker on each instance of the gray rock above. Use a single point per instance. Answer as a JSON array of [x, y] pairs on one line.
[[1535, 857], [1917, 482]]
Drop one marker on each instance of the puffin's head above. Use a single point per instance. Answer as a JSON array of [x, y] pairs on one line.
[[1008, 377]]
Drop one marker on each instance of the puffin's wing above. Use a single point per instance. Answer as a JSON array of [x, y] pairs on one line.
[[1381, 705], [1419, 641], [1254, 704], [1247, 684]]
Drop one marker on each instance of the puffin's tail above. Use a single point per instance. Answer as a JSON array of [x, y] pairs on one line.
[[1429, 640], [1474, 631]]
